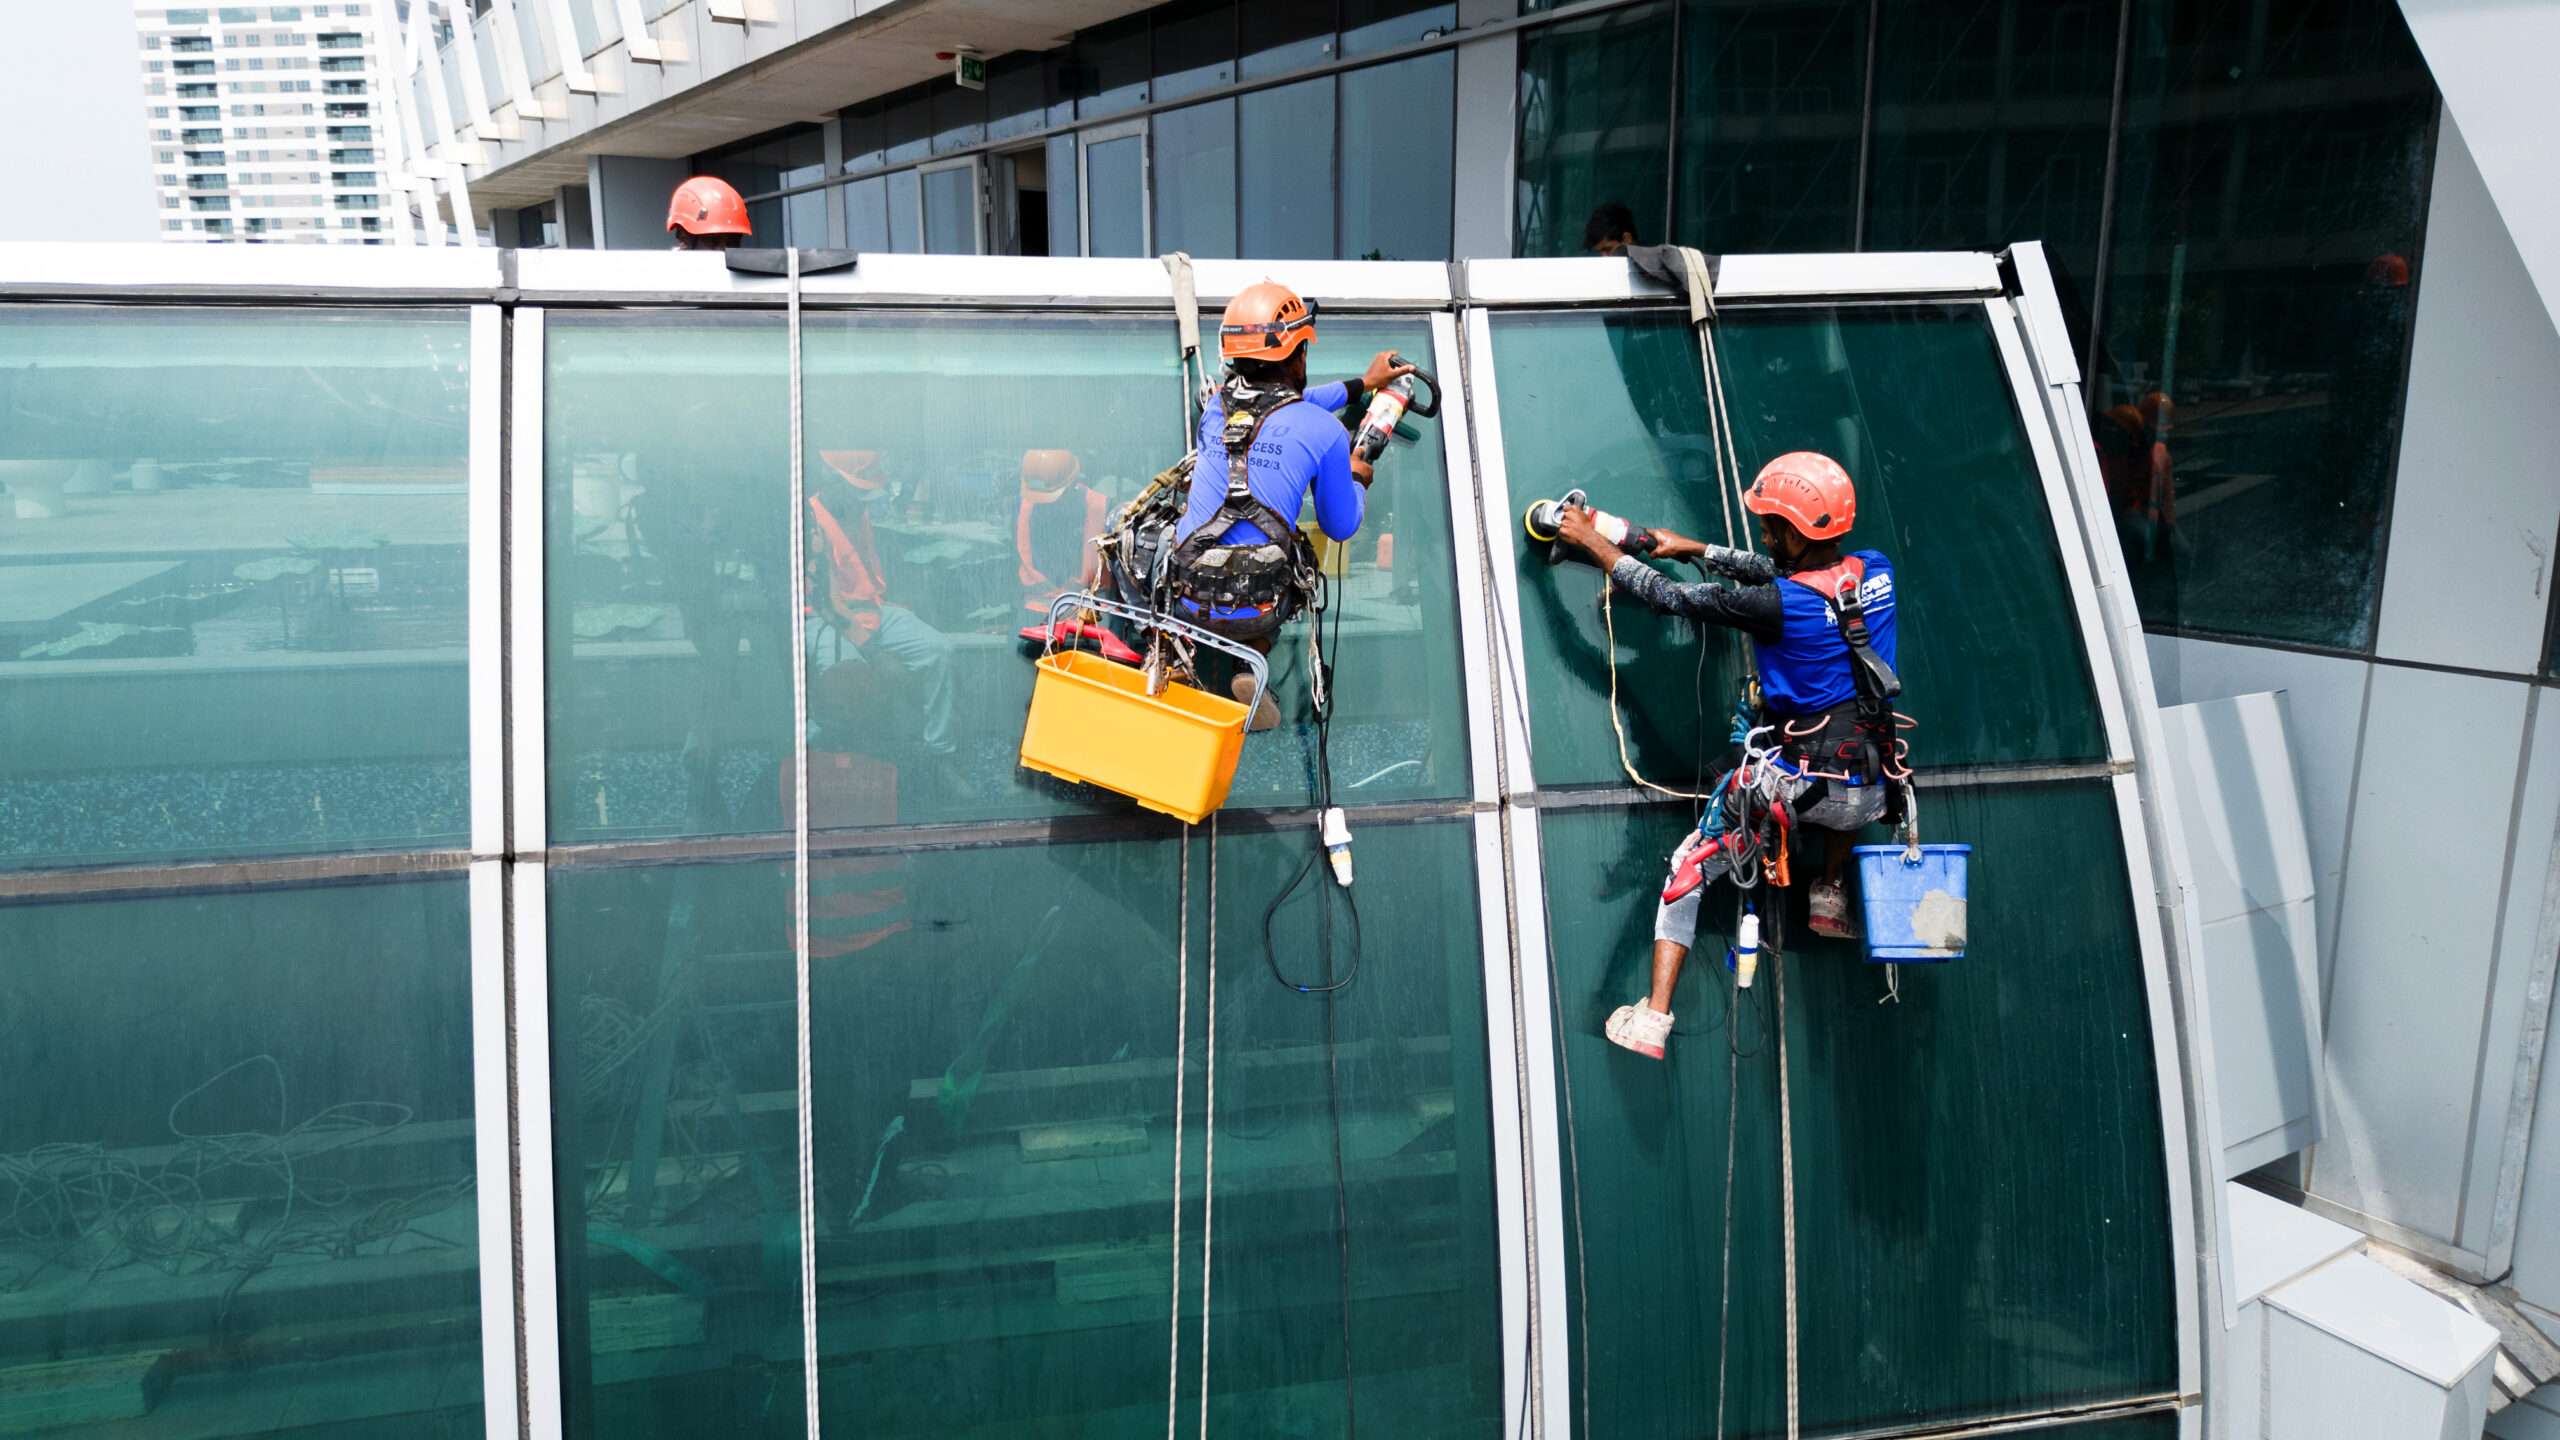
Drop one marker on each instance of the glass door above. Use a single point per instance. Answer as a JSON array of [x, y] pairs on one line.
[[1114, 192], [951, 208]]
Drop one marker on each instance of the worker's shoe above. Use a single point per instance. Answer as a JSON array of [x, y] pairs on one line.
[[1266, 716], [1830, 906], [1641, 1028]]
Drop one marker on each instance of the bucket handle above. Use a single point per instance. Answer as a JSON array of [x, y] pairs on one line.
[[1243, 654]]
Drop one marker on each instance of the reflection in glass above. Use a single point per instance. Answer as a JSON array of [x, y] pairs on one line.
[[1913, 1125], [1913, 401], [674, 1108], [1285, 171], [1369, 26], [1991, 127], [2272, 193], [1017, 93], [996, 1141], [1395, 178], [1281, 38], [906, 212], [1195, 175], [909, 132], [940, 525], [866, 214], [951, 210], [1116, 195], [1195, 47], [667, 518], [1109, 71], [1594, 126], [1769, 114], [236, 1165], [232, 582]]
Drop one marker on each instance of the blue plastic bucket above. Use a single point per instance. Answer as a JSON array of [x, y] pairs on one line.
[[1915, 909]]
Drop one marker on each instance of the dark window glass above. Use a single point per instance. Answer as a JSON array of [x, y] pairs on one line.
[[1369, 26], [1065, 219], [2271, 196], [1400, 120], [1195, 47], [951, 210], [959, 118], [236, 1123], [674, 1108], [1914, 402], [1285, 171], [1116, 195], [764, 217], [1991, 127], [906, 213], [1595, 119], [1908, 1121], [1017, 93], [865, 137], [1109, 71], [1769, 104], [923, 692], [866, 214], [232, 582], [908, 128], [1195, 175], [667, 525], [1282, 38]]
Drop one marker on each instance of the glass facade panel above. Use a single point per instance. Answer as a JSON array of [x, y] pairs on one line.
[[951, 210], [1770, 96], [1065, 218], [675, 1141], [1369, 26], [908, 126], [1991, 127], [1935, 1285], [1912, 400], [906, 212], [237, 1164], [667, 519], [1017, 94], [1195, 175], [866, 214], [956, 509], [1285, 171], [2272, 190], [1278, 39], [1109, 72], [1595, 117], [1401, 121], [1116, 196], [1195, 47], [232, 582], [959, 118]]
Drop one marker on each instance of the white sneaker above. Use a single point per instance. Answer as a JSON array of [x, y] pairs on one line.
[[1639, 1027], [1830, 906]]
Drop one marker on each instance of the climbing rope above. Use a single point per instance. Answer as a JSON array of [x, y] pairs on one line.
[[1209, 1128], [1181, 1063], [800, 871]]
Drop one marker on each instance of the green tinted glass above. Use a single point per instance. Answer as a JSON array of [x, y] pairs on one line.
[[1913, 1124], [1594, 101], [674, 1102], [232, 582], [667, 529], [2266, 295], [995, 1042], [1769, 152], [960, 469], [236, 1165], [1913, 400]]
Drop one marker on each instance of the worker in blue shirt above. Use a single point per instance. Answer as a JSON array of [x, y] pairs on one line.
[[1266, 444]]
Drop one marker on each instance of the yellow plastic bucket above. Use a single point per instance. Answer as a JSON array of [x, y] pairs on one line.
[[1093, 722]]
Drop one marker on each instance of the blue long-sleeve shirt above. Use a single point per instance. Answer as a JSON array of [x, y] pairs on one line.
[[1302, 447]]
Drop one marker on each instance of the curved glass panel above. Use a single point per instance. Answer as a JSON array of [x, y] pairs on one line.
[[232, 582], [1982, 1220], [1913, 400]]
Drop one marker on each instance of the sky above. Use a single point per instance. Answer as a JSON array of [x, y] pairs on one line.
[[74, 145]]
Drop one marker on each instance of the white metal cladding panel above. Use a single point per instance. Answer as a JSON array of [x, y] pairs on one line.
[[292, 272], [2493, 64], [2472, 527], [2324, 715], [2408, 992], [2537, 1223], [1738, 277], [2512, 1043]]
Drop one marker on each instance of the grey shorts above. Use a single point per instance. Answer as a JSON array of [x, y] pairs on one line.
[[1844, 808]]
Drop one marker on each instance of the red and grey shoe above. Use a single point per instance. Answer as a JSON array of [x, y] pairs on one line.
[[1830, 906]]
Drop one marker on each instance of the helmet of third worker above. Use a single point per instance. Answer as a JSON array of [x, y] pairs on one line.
[[1807, 490], [1047, 473], [1266, 321], [705, 205]]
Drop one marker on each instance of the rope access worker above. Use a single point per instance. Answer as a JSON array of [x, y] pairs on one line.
[[1241, 567], [1835, 744], [706, 213]]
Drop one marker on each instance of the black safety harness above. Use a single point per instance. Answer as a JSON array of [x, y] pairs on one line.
[[1272, 577], [1855, 739]]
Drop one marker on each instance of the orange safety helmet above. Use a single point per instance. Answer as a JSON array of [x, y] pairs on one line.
[[706, 205], [1047, 473], [854, 468], [1266, 321], [1807, 490]]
